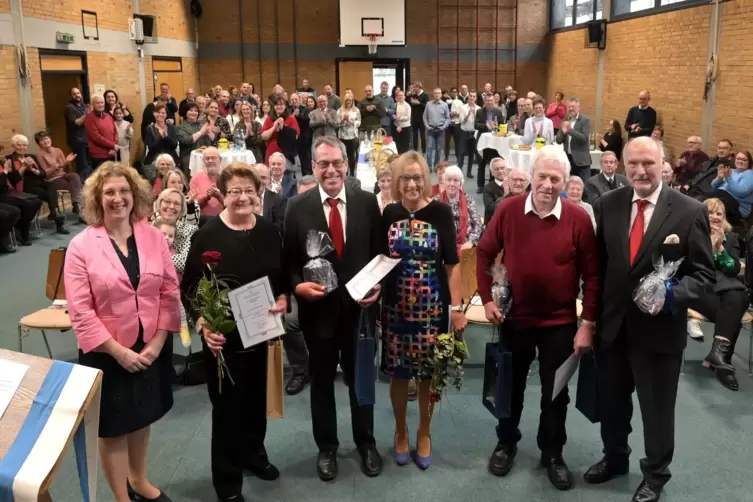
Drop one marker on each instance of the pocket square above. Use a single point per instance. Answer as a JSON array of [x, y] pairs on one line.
[[672, 239]]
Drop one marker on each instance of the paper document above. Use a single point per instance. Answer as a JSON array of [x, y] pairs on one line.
[[250, 305], [11, 374], [564, 373], [370, 275]]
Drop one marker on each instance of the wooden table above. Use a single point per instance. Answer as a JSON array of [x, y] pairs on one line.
[[52, 446]]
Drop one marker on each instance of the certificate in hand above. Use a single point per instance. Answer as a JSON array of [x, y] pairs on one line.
[[370, 275], [250, 305]]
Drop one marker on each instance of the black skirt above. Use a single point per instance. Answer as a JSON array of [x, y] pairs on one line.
[[132, 401]]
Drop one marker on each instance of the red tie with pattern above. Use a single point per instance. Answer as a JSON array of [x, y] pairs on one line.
[[336, 226], [636, 233]]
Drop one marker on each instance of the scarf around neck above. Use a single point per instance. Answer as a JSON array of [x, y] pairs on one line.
[[462, 230]]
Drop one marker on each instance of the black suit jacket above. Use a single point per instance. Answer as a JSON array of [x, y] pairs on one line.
[[274, 209], [596, 186], [363, 241], [675, 214], [493, 195], [480, 122]]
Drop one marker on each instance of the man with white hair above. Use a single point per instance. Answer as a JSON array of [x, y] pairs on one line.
[[101, 133], [518, 181], [606, 180], [550, 247], [690, 163], [282, 181], [496, 189], [639, 351], [271, 202]]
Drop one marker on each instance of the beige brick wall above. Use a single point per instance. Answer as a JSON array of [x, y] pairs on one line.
[[10, 120], [173, 20], [111, 14]]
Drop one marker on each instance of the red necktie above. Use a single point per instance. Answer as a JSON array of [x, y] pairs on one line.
[[636, 233], [336, 226]]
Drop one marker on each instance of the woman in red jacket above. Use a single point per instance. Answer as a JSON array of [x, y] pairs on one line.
[[275, 124], [557, 110]]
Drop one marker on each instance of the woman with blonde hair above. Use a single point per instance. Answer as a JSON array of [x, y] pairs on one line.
[[421, 297], [349, 120], [170, 206], [176, 179], [123, 300], [727, 303], [384, 180]]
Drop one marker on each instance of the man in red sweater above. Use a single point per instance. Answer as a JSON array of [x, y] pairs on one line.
[[549, 246], [101, 132]]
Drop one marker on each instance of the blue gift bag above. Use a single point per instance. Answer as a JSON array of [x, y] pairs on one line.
[[364, 374], [587, 397], [497, 391]]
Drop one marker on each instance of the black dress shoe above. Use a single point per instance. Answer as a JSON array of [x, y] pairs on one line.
[[371, 462], [647, 492], [557, 470], [501, 460], [61, 229], [5, 249], [138, 498], [234, 498], [326, 465], [602, 471], [480, 190], [296, 384], [260, 467], [25, 242], [469, 176]]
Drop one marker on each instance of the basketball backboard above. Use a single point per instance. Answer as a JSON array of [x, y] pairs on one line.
[[358, 18]]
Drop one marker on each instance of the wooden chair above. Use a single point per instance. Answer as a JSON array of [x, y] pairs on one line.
[[747, 322], [62, 195]]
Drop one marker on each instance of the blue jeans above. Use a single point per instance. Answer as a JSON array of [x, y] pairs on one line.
[[434, 145]]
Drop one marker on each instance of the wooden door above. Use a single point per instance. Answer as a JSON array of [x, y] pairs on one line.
[[55, 92], [356, 75], [169, 71]]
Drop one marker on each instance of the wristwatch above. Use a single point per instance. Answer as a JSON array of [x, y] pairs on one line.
[[456, 308]]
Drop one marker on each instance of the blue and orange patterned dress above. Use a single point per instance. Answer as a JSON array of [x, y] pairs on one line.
[[415, 304]]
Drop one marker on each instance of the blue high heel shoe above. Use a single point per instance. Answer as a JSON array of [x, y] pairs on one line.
[[401, 458], [422, 462]]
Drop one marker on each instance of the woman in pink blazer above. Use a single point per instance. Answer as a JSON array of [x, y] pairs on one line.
[[123, 299]]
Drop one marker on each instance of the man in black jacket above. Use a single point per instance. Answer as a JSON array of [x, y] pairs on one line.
[[484, 121], [170, 103], [417, 101], [641, 119], [700, 185], [496, 189]]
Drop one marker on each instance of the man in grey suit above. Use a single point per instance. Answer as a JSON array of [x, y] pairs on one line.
[[607, 180], [573, 135]]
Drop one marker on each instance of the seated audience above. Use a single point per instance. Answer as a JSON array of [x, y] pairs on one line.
[[384, 179], [251, 249], [26, 203], [735, 187], [25, 174], [160, 138], [204, 185], [497, 189], [438, 188], [163, 163], [667, 174], [690, 163], [468, 224], [192, 134], [281, 180], [176, 179], [727, 303], [518, 180], [606, 180], [57, 169], [122, 320], [574, 191], [538, 126], [170, 206], [611, 141], [700, 185]]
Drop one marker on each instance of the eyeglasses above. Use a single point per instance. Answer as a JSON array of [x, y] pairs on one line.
[[324, 164], [418, 179], [171, 203], [236, 192]]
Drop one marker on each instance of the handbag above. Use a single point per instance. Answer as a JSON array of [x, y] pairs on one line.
[[587, 397], [364, 375], [275, 397], [55, 289], [497, 390]]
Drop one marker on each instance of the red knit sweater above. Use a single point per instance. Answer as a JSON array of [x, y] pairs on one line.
[[545, 260]]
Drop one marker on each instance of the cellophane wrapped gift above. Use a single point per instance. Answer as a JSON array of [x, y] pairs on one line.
[[318, 269], [651, 292], [501, 293]]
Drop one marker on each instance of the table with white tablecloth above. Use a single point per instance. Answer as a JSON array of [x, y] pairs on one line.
[[366, 173], [196, 164], [521, 159], [500, 143]]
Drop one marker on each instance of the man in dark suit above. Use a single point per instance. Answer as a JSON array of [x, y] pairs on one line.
[[635, 350], [273, 205], [573, 134], [330, 321], [496, 189], [606, 180], [700, 185], [485, 119]]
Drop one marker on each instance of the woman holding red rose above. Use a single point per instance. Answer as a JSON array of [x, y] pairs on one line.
[[240, 248]]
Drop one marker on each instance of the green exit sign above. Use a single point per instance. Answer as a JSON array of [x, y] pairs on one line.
[[64, 38]]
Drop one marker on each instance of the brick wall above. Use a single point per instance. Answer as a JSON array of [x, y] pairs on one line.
[[10, 121], [665, 53], [316, 26], [111, 14], [173, 19]]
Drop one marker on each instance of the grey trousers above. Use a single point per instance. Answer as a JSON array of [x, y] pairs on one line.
[[293, 342]]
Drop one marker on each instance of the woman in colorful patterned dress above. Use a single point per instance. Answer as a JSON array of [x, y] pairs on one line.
[[417, 296]]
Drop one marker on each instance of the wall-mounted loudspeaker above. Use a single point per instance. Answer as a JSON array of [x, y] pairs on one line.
[[596, 31]]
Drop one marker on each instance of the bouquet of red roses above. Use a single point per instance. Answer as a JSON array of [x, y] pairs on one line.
[[213, 305]]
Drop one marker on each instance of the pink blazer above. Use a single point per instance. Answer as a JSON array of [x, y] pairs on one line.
[[101, 301]]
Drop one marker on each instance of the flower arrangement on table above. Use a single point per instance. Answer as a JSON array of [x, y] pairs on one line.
[[447, 362], [213, 306]]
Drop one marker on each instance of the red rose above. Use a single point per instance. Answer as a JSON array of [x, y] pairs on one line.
[[210, 257], [435, 398]]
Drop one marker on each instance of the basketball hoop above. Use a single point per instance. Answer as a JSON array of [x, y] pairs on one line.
[[373, 43]]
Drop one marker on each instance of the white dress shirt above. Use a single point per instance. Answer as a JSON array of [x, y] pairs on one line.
[[402, 110], [556, 211], [340, 206], [455, 106], [648, 211], [468, 119]]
